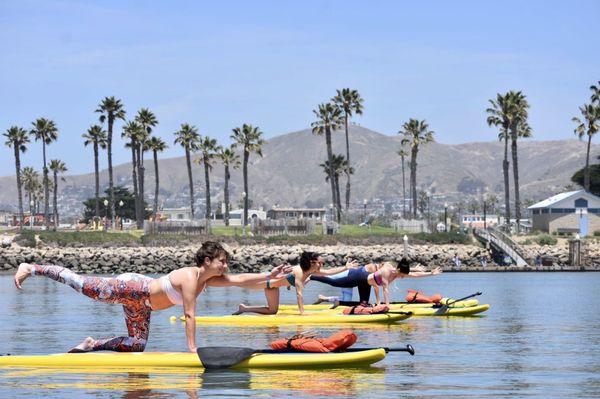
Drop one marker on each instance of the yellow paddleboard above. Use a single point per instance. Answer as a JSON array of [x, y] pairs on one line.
[[420, 311], [188, 359], [397, 306], [313, 318]]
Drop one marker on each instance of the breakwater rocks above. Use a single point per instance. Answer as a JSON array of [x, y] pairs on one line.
[[254, 258]]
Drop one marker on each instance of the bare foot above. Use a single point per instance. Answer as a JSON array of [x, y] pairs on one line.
[[85, 346], [241, 309], [22, 273]]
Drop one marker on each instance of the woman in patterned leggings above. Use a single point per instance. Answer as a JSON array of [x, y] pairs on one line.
[[140, 295]]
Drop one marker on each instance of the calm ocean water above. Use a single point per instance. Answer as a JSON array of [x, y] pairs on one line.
[[541, 339]]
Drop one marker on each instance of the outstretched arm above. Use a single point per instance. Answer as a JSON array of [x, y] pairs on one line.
[[336, 270], [189, 312], [416, 274], [299, 287], [248, 279]]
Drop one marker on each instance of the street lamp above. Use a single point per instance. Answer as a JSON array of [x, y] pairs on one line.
[[365, 210], [445, 217], [105, 202], [121, 203]]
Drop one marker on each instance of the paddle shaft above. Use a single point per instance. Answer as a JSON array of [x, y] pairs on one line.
[[462, 299]]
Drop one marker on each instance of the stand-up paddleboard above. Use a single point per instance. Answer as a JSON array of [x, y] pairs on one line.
[[318, 318], [192, 360], [416, 311], [407, 306]]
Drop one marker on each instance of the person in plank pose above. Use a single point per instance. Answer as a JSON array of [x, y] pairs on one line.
[[140, 295], [373, 275], [310, 266]]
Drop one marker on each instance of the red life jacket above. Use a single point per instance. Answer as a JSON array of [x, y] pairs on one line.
[[339, 341], [419, 297]]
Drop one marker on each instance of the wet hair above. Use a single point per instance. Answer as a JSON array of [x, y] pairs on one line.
[[210, 250], [305, 258]]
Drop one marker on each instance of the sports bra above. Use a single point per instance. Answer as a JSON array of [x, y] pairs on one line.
[[173, 295], [377, 277]]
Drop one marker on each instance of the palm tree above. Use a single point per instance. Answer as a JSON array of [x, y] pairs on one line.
[[402, 152], [97, 137], [588, 125], [350, 102], [188, 138], [416, 133], [329, 119], [499, 115], [46, 131], [18, 138], [519, 128], [30, 184], [595, 93], [249, 138], [147, 120], [229, 159], [131, 131], [110, 109], [156, 145], [208, 148], [339, 166], [56, 166]]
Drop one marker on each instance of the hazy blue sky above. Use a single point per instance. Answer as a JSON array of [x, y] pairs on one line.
[[269, 63]]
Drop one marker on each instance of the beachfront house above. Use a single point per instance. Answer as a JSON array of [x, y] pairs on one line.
[[236, 215], [296, 213], [478, 221], [569, 212]]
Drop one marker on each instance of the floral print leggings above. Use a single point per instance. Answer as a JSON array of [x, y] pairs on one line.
[[130, 290]]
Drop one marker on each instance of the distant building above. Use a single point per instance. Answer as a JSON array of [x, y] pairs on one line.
[[6, 218], [170, 214], [570, 212], [236, 215], [296, 213], [478, 221], [38, 219]]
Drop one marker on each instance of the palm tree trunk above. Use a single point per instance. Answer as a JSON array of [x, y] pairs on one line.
[[348, 164], [46, 189], [403, 191], [226, 195], [337, 189], [413, 177], [330, 171], [190, 180], [19, 187], [97, 180], [207, 180], [586, 172], [516, 176], [245, 171], [506, 187], [55, 202], [111, 188], [31, 206], [142, 209], [135, 182], [156, 186]]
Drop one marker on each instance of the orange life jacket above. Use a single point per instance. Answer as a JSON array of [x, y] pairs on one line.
[[339, 341], [419, 297], [360, 309]]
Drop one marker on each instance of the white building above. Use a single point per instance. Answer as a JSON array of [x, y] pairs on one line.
[[180, 214], [478, 221], [570, 212], [236, 215]]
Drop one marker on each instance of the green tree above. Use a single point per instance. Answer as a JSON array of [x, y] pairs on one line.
[[208, 148], [31, 184], [594, 178], [46, 131], [249, 138], [126, 211], [17, 138], [588, 125], [350, 102], [416, 134], [187, 136], [57, 167], [97, 138], [328, 120], [230, 160], [156, 145], [339, 166], [110, 109]]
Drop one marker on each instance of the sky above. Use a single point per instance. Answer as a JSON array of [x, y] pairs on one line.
[[218, 65]]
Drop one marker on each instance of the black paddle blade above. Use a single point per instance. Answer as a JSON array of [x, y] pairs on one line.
[[222, 357]]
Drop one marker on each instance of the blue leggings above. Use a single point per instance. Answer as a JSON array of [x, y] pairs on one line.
[[353, 278]]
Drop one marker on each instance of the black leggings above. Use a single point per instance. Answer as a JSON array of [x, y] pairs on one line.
[[354, 278]]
